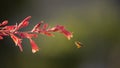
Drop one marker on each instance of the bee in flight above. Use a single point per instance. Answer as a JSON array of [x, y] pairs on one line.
[[79, 44]]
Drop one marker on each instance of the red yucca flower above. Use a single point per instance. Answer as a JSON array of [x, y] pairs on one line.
[[14, 32]]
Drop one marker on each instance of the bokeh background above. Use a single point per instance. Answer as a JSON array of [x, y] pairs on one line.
[[95, 23]]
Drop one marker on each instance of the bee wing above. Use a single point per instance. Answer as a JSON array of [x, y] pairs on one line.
[[78, 44]]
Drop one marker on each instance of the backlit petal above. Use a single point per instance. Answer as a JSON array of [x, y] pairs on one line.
[[34, 46], [17, 41]]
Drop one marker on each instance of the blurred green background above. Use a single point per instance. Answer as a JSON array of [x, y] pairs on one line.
[[95, 23]]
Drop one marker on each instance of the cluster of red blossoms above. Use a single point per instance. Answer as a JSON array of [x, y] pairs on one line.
[[14, 32]]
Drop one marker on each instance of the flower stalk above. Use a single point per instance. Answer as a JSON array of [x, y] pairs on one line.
[[14, 32]]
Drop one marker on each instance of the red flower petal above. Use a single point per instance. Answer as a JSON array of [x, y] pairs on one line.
[[62, 30], [17, 41], [24, 23], [54, 29], [1, 37], [47, 33], [34, 46], [45, 26], [4, 23], [67, 34], [36, 27], [12, 27], [26, 35]]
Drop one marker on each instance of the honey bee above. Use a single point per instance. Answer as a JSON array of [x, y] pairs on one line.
[[79, 44]]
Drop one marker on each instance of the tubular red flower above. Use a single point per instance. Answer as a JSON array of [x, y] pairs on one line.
[[61, 29], [46, 33], [36, 27], [45, 26], [4, 23], [27, 35], [24, 23], [1, 37], [67, 34], [34, 46], [12, 27], [64, 31], [17, 41]]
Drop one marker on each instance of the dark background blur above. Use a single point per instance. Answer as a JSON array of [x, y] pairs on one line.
[[94, 22]]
